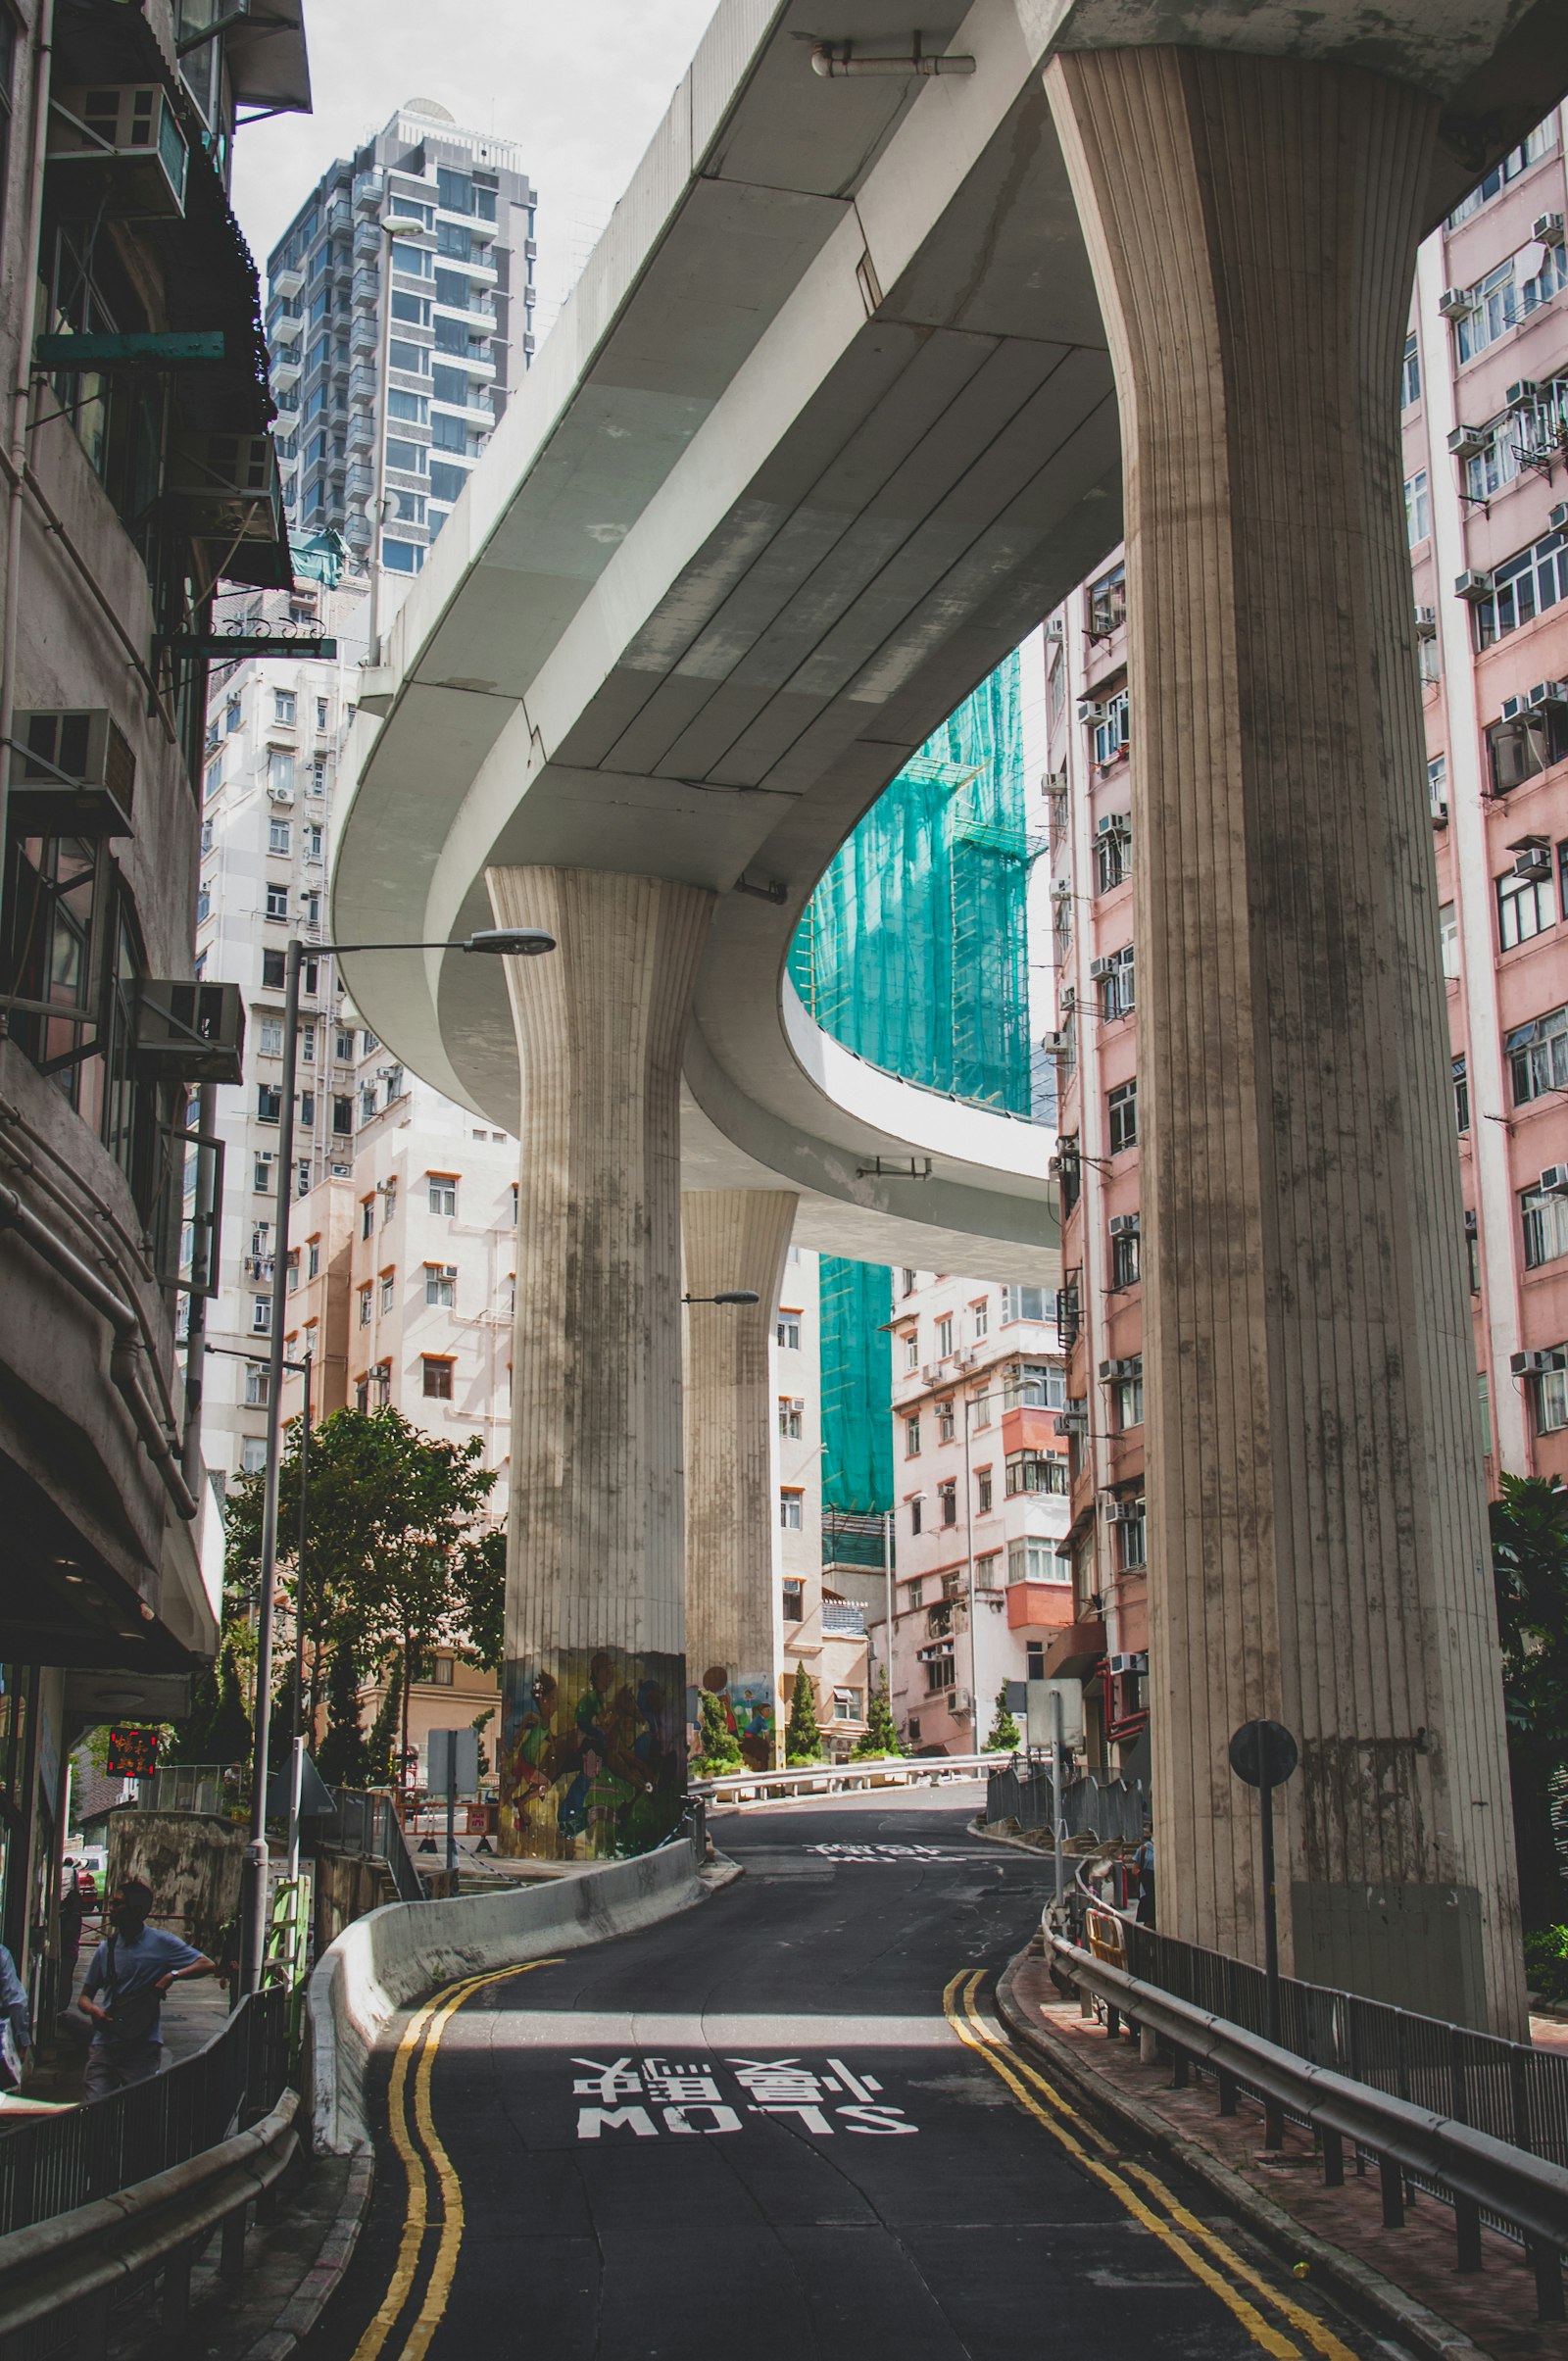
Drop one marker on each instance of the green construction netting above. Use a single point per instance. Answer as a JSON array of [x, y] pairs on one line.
[[913, 952]]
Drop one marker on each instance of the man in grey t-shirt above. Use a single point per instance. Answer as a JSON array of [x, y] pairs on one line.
[[133, 1968]]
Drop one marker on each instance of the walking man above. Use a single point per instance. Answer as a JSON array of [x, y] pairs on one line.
[[1144, 1863], [133, 1968]]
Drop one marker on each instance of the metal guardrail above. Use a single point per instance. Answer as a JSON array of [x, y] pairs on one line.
[[55, 2163], [841, 1778], [368, 1824], [1477, 2173], [59, 2278], [1112, 1811]]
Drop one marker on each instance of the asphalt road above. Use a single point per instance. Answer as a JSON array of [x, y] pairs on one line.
[[786, 2124]]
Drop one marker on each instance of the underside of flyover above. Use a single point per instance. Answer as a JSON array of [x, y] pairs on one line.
[[841, 406]]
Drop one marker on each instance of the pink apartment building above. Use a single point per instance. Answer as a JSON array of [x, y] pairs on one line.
[[980, 1491], [1484, 392]]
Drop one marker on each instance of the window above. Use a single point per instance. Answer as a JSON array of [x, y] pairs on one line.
[[443, 1188], [789, 1331], [1125, 1263], [313, 841], [1541, 142], [1037, 1385], [948, 1502], [1035, 1559], [261, 1315], [441, 1285], [1113, 859], [211, 779], [1108, 603], [313, 1257], [794, 1598], [791, 1411], [987, 1571], [1121, 1117], [365, 1306], [389, 1202], [1035, 1471], [1113, 734], [911, 1349], [1127, 1401], [311, 909], [915, 1594], [262, 1176], [980, 1409], [258, 1385], [1024, 1304], [1523, 587], [320, 712], [291, 1272], [1410, 372], [1546, 1227], [438, 1378], [342, 1116], [366, 1216], [980, 1319], [1132, 1540], [1118, 985], [268, 1104], [1459, 1070], [362, 1394], [231, 717], [366, 1100], [1035, 1659], [270, 1040], [277, 901], [945, 1422], [515, 1195], [253, 1454], [284, 705], [317, 782], [939, 1672], [1526, 745], [389, 1286], [1550, 1389], [1525, 908], [399, 557], [911, 1437], [1506, 297], [280, 772], [1417, 507], [1448, 939], [1483, 1411], [982, 1492], [278, 834], [916, 1514], [909, 1279], [272, 971], [308, 1110], [846, 1705], [438, 1672], [790, 1510], [943, 1336]]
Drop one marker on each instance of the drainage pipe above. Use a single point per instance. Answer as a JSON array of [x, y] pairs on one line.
[[831, 61]]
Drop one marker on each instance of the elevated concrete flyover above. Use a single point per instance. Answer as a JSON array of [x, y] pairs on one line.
[[845, 401]]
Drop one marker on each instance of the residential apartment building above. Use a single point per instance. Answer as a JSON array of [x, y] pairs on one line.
[[1484, 395], [822, 1627], [980, 1479], [393, 354], [275, 730], [136, 481]]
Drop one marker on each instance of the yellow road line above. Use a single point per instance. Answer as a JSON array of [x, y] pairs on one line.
[[1261, 2331], [422, 2035]]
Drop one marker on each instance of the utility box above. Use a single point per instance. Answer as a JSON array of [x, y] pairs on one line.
[[452, 1763]]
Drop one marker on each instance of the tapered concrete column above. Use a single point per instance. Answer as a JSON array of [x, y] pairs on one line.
[[593, 1740], [1317, 1537], [734, 1238]]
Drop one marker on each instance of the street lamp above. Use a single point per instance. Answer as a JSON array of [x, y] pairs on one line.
[[502, 942], [731, 1295], [392, 225]]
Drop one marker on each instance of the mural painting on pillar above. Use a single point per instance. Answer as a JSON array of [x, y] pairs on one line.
[[747, 1704], [592, 1763]]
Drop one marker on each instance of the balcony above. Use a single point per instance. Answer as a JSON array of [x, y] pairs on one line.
[[842, 1619], [361, 435], [286, 367], [359, 481], [364, 334], [361, 382], [364, 290], [339, 220], [288, 281], [367, 192], [366, 241]]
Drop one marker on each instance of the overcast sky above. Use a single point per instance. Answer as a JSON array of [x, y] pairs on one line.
[[581, 86]]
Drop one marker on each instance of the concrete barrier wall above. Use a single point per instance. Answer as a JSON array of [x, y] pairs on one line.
[[385, 1960]]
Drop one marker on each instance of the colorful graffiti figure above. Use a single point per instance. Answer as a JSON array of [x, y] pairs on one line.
[[600, 1773]]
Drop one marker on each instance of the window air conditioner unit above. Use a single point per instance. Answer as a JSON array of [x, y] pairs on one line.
[[1131, 1366], [1533, 864], [1554, 1181], [1558, 517], [1070, 999], [1137, 1661], [1537, 1365], [1056, 1045], [1455, 303], [1547, 230], [1122, 1512], [1099, 967], [1090, 709], [190, 1032], [1471, 585], [1512, 708], [1114, 824], [1521, 394], [1468, 442], [1548, 692], [1426, 622], [121, 150], [227, 486], [72, 774], [1124, 1225], [1073, 1419], [1062, 889], [281, 794], [1054, 782]]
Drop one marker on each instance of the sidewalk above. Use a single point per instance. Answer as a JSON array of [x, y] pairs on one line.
[[1405, 2278]]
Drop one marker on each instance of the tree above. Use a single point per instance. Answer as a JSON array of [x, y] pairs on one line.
[[380, 1769], [342, 1758], [1004, 1734], [719, 1749], [218, 1727], [803, 1740], [1530, 1571], [881, 1731]]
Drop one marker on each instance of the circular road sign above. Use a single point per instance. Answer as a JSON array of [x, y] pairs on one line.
[[1263, 1753]]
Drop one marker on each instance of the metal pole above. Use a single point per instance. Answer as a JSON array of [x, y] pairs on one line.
[[968, 1544], [205, 1233], [1056, 1792], [30, 262], [452, 1810], [297, 1764], [253, 1907], [887, 1599], [1271, 1931]]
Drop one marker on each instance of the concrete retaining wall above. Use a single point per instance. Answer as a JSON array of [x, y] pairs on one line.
[[387, 1959]]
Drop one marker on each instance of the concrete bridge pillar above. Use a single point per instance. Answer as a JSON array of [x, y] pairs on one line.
[[1317, 1535], [734, 1238], [593, 1757]]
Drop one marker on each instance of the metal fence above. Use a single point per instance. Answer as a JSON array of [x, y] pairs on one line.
[[368, 1824], [1507, 2088], [1110, 1810], [50, 2164]]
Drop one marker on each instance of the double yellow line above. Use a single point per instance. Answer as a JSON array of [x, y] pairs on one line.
[[1208, 2258], [423, 2159]]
